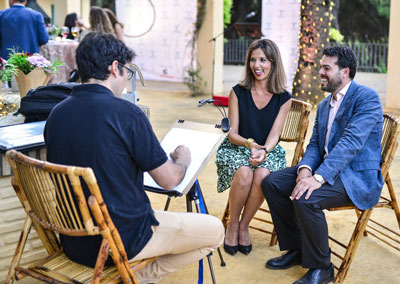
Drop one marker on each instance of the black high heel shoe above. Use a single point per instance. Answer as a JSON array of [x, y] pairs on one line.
[[232, 250], [245, 249]]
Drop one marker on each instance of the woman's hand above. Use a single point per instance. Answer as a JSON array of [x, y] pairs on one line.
[[258, 154]]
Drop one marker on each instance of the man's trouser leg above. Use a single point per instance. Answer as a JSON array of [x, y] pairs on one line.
[[301, 224], [179, 240]]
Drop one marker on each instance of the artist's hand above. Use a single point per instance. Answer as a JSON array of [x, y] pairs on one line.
[[182, 155], [305, 184], [258, 154]]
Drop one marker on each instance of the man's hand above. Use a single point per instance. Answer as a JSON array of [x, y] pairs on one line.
[[181, 155], [170, 174], [258, 154], [305, 184], [303, 173]]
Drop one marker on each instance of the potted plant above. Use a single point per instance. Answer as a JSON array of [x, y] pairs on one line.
[[33, 70], [6, 72]]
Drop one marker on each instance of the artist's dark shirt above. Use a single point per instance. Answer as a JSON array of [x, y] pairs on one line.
[[93, 128], [257, 123]]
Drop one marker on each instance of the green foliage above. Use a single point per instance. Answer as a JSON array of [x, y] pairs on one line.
[[6, 70], [365, 20], [26, 62], [335, 35], [382, 68], [194, 81], [201, 13], [227, 12], [383, 7]]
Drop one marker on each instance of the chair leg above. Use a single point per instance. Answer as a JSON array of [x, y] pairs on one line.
[[19, 250], [394, 203], [274, 238], [101, 260], [353, 244], [225, 216]]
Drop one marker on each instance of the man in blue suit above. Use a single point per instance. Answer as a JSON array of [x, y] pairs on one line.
[[21, 28], [341, 166]]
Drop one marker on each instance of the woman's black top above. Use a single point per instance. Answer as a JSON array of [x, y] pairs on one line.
[[257, 123]]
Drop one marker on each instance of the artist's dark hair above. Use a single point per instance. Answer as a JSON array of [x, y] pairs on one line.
[[345, 58], [276, 82], [97, 51]]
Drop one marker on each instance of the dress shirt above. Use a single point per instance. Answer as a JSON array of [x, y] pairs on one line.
[[335, 103]]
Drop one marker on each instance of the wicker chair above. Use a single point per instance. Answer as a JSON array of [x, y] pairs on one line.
[[294, 130], [391, 130], [46, 192]]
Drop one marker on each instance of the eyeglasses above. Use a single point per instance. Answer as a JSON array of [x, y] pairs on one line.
[[130, 71]]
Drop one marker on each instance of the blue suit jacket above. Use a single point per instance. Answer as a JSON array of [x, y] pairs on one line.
[[354, 145], [23, 28]]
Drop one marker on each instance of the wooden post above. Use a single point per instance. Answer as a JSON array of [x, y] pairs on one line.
[[211, 70], [393, 75]]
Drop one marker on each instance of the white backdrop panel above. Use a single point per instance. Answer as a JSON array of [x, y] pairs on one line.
[[165, 51], [280, 22]]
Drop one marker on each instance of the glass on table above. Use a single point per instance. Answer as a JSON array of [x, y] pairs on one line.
[[75, 32], [65, 32]]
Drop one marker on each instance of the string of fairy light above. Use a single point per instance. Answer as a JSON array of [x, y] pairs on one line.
[[310, 46]]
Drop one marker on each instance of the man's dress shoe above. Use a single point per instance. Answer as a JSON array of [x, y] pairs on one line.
[[245, 249], [317, 276], [292, 257]]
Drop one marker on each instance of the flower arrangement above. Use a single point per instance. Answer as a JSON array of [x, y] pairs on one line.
[[26, 62], [6, 70]]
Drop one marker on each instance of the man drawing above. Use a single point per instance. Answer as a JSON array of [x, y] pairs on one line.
[[95, 128]]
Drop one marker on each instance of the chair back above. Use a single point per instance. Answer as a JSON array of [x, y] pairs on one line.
[[48, 193], [295, 128], [52, 196], [389, 141]]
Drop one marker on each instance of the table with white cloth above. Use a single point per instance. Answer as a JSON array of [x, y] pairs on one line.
[[65, 51]]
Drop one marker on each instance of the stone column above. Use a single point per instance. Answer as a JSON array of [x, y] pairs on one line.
[[3, 4], [211, 73], [393, 74]]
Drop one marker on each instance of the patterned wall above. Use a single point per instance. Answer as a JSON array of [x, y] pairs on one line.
[[280, 22], [165, 51]]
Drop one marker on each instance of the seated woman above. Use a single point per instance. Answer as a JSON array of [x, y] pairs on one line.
[[98, 21], [258, 107], [116, 25], [70, 22]]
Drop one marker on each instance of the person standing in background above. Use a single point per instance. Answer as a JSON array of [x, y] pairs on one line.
[[117, 26], [21, 28]]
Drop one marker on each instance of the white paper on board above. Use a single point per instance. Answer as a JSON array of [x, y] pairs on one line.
[[200, 144]]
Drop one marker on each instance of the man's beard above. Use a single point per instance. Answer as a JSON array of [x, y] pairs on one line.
[[332, 85]]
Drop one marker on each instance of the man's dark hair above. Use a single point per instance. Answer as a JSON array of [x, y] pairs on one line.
[[97, 51], [20, 1], [346, 58]]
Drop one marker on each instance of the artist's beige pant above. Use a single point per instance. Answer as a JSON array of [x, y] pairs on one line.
[[179, 240]]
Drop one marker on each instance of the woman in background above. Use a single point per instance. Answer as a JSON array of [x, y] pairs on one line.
[[70, 22], [98, 21], [258, 108], [117, 26]]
